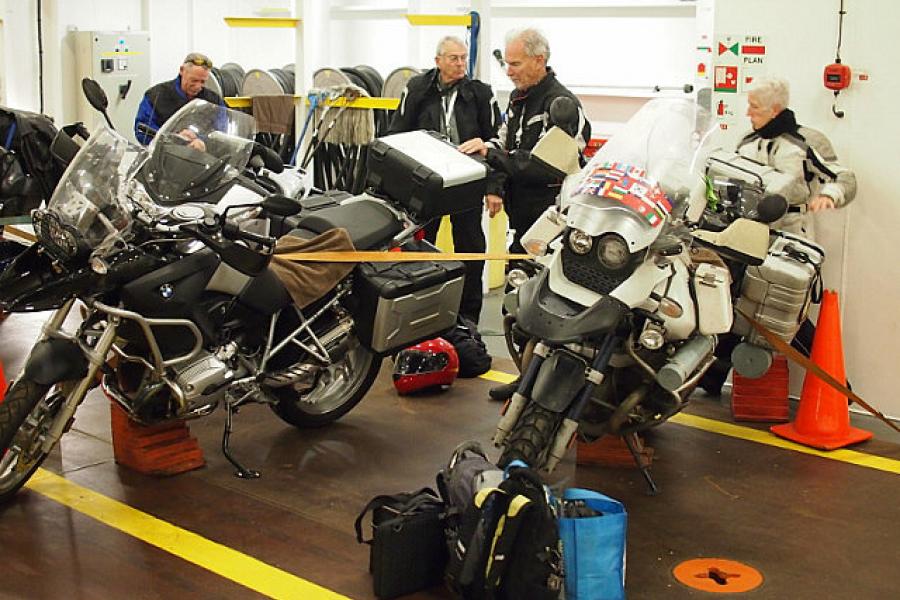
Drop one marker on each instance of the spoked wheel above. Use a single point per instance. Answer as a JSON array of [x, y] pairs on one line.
[[337, 389], [530, 440], [26, 415]]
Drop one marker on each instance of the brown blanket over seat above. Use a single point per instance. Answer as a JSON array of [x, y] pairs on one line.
[[306, 282]]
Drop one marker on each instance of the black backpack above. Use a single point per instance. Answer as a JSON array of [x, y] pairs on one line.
[[508, 547], [474, 359]]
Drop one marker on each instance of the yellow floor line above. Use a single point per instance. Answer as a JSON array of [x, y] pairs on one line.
[[853, 457], [498, 376], [862, 459], [221, 560]]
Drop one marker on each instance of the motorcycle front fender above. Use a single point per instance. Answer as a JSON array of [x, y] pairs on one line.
[[559, 380], [54, 360], [548, 316]]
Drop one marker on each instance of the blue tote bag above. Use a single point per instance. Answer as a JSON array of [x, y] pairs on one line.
[[594, 547]]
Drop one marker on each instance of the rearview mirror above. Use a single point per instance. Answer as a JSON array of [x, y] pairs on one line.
[[281, 206], [95, 95]]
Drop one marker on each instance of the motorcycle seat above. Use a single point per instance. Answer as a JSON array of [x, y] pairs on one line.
[[369, 223]]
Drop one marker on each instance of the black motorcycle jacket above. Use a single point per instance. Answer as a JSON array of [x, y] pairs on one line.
[[421, 107], [516, 178]]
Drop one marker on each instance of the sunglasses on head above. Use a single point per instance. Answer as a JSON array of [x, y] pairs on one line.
[[200, 62]]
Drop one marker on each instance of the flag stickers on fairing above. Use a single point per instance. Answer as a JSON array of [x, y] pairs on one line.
[[629, 185]]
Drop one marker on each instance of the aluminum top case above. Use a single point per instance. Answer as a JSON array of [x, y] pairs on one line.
[[427, 176]]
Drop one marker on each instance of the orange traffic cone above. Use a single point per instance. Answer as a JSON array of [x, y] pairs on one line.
[[823, 420]]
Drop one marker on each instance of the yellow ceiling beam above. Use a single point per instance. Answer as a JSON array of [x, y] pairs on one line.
[[285, 22], [442, 20], [372, 103]]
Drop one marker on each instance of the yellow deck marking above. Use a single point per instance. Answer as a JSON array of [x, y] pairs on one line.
[[862, 459], [871, 461], [221, 560], [498, 376]]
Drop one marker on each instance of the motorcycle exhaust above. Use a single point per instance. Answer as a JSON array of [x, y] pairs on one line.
[[685, 361], [750, 360]]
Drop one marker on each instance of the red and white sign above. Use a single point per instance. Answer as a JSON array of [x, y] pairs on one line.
[[726, 79]]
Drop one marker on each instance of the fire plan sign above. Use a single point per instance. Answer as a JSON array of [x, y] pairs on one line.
[[738, 60]]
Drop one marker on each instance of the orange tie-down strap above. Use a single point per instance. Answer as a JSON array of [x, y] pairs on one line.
[[816, 370], [25, 235], [376, 256]]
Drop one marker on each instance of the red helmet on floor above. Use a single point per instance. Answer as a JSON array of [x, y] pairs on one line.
[[427, 364]]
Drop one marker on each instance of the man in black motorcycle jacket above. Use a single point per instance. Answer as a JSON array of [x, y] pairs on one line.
[[445, 100], [523, 187], [519, 184]]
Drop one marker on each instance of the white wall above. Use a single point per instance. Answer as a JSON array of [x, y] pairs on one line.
[[801, 37], [176, 27]]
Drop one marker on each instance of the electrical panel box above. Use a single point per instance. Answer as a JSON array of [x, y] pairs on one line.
[[120, 62]]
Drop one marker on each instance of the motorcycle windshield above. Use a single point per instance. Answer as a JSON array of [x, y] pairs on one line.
[[89, 201], [197, 152], [634, 182]]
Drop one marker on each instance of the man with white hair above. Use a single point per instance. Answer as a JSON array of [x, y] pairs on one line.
[[520, 185], [818, 182], [445, 100]]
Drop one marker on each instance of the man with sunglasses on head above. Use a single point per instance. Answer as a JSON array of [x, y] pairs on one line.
[[164, 99], [445, 100]]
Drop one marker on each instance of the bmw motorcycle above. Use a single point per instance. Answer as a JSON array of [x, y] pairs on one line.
[[160, 256], [622, 320]]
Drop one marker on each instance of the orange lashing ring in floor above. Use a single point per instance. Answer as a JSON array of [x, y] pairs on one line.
[[718, 575]]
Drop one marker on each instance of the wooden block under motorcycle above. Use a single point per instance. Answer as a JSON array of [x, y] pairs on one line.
[[164, 449], [612, 451], [762, 399]]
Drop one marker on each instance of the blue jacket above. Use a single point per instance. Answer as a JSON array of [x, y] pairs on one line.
[[162, 101]]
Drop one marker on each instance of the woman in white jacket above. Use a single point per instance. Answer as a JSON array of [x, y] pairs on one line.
[[817, 182]]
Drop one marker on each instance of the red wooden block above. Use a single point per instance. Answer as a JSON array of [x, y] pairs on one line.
[[762, 399], [163, 449]]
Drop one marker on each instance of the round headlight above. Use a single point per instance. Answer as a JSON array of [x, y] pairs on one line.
[[516, 277], [612, 252], [580, 242]]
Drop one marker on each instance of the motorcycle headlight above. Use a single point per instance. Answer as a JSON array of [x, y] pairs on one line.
[[580, 242], [516, 278], [612, 252], [59, 239]]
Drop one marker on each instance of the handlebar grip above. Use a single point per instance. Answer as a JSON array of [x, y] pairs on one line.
[[232, 231], [146, 130]]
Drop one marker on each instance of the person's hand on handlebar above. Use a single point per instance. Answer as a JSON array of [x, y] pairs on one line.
[[192, 140]]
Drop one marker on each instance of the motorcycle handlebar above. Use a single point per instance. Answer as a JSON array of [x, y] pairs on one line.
[[146, 130], [233, 232]]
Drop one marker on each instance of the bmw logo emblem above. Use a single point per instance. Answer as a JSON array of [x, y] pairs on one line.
[[166, 291]]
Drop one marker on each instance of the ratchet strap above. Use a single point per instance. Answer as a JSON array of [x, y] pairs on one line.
[[377, 256], [815, 369], [20, 233]]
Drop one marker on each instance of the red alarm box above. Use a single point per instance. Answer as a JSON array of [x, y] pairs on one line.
[[836, 76]]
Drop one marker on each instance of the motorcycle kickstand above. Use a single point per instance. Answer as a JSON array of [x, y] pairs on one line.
[[631, 442], [242, 471]]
